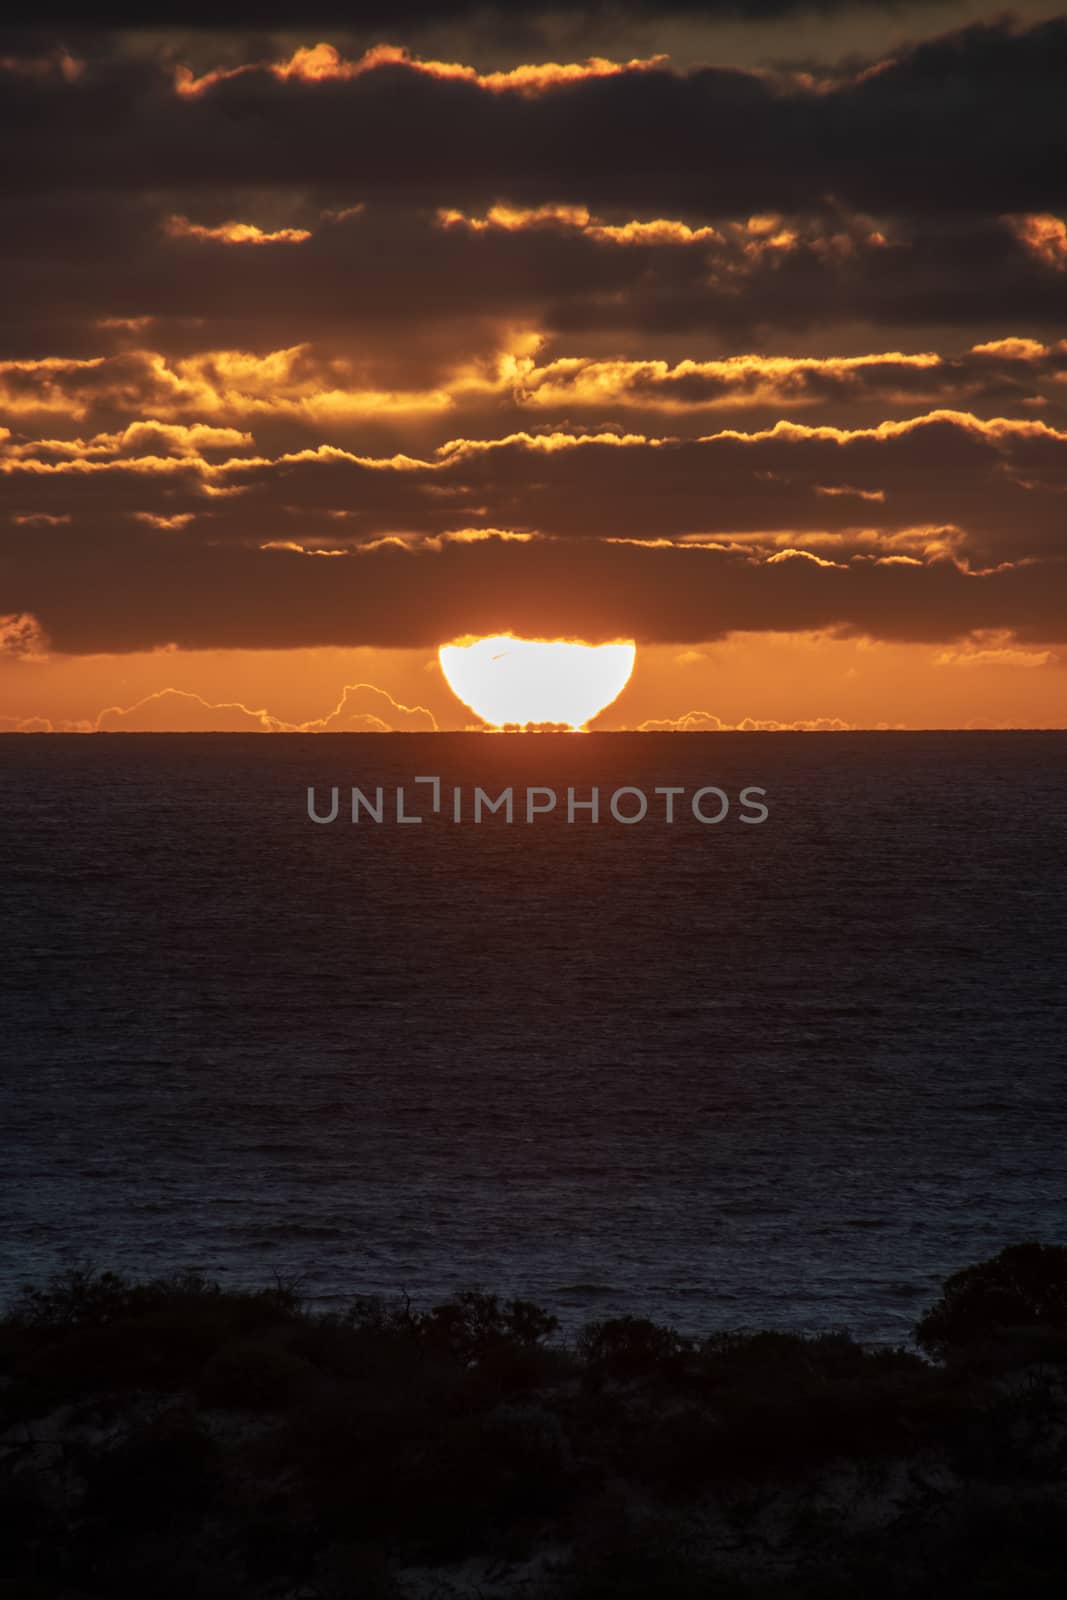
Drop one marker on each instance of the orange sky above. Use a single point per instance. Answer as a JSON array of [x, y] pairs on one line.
[[774, 678]]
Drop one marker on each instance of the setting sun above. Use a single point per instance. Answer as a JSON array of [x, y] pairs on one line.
[[508, 681]]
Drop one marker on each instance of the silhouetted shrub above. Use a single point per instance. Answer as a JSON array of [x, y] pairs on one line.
[[784, 1357], [29, 1515], [509, 1368], [1025, 1286], [374, 1312], [638, 1559], [483, 1474], [344, 1570], [680, 1453], [629, 1347], [472, 1324], [166, 1472], [361, 1452], [165, 1564], [87, 1331], [461, 1431], [81, 1297], [779, 1400], [253, 1375]]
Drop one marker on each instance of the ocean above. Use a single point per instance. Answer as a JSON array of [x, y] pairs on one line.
[[783, 1073]]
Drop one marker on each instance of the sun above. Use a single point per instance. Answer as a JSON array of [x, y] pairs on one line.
[[511, 682]]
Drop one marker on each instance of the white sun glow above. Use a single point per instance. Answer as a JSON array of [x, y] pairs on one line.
[[512, 682]]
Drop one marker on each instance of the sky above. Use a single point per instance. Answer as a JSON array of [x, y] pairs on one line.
[[331, 333]]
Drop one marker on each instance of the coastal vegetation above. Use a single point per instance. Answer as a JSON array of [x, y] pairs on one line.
[[176, 1438]]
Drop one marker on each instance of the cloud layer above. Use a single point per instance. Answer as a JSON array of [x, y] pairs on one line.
[[336, 343]]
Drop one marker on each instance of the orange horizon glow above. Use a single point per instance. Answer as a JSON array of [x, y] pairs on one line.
[[512, 682]]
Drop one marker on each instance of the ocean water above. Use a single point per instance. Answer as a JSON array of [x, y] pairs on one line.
[[785, 1074]]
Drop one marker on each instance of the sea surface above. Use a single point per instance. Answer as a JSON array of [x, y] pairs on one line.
[[780, 1074]]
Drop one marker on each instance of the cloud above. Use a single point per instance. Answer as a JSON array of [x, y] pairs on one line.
[[138, 439], [511, 219], [182, 711], [361, 708], [364, 708], [294, 384], [983, 490], [319, 393], [22, 636], [147, 591], [388, 123], [994, 652], [389, 291], [324, 63], [689, 722], [488, 14], [785, 381], [707, 722], [503, 348], [244, 233], [1044, 236]]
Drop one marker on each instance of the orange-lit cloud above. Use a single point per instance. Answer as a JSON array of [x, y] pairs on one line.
[[306, 386], [748, 380], [57, 63], [26, 725], [333, 353], [138, 438], [1044, 235], [324, 63], [293, 383], [181, 711], [511, 219], [707, 722], [361, 708], [731, 249], [995, 656], [21, 636], [179, 227], [364, 704], [847, 489], [810, 493]]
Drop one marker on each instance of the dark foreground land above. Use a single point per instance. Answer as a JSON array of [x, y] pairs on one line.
[[172, 1439]]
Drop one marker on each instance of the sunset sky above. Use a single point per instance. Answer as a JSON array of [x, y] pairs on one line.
[[738, 330]]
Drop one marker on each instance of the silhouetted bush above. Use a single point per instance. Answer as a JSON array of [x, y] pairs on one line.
[[508, 1369], [388, 1436], [88, 1331], [629, 1347], [77, 1298], [344, 1571], [784, 1357], [783, 1400], [165, 1473], [1025, 1286], [483, 1474], [473, 1324], [252, 1375], [640, 1558], [81, 1297]]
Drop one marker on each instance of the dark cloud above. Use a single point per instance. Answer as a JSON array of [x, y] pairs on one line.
[[971, 122], [987, 493], [308, 388], [149, 593], [284, 354], [406, 14], [406, 297]]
